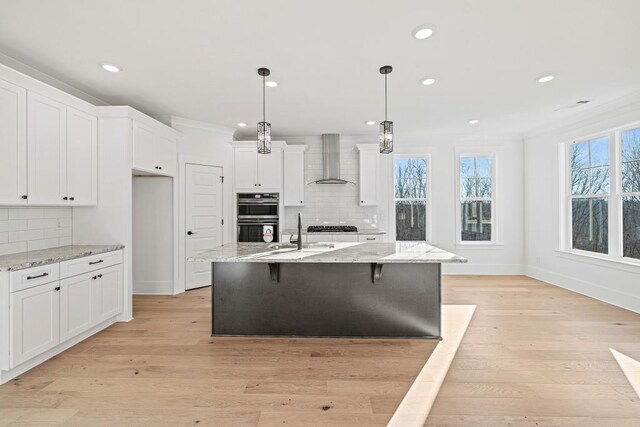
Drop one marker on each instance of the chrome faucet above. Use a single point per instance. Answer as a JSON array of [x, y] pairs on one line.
[[299, 239]]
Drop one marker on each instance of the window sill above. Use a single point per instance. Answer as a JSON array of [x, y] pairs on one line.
[[618, 264], [480, 245]]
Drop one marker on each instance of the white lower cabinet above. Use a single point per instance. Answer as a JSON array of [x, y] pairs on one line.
[[76, 305], [35, 320], [43, 315], [107, 293]]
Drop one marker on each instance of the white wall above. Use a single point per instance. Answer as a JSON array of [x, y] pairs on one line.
[[153, 235], [34, 228], [205, 144], [608, 281]]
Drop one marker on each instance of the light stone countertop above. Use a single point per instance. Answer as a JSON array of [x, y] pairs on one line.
[[360, 232], [22, 260], [380, 253]]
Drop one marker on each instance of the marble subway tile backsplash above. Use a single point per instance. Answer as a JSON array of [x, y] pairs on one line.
[[30, 228]]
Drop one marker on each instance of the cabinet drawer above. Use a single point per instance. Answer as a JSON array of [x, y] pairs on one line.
[[30, 277], [370, 238], [90, 263]]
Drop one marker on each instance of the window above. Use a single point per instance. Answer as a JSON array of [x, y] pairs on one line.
[[476, 184], [630, 194], [590, 186], [411, 197]]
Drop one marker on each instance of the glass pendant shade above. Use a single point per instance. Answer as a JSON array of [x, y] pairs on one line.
[[264, 138], [386, 137]]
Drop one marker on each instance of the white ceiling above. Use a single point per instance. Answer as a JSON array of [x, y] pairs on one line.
[[197, 59]]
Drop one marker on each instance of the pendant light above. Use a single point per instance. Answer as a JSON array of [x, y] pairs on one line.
[[386, 127], [264, 128]]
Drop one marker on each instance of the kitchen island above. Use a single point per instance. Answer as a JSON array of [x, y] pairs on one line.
[[389, 290]]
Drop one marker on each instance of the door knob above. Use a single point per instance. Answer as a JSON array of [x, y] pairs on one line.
[[189, 233]]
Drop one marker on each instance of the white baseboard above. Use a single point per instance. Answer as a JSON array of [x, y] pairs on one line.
[[164, 287], [590, 289], [483, 269], [32, 363]]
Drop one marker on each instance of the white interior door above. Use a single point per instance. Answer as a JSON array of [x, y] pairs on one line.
[[203, 219]]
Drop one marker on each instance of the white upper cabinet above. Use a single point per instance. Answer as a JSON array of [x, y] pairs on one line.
[[369, 174], [294, 175], [270, 169], [153, 153], [13, 144], [245, 168], [253, 171], [82, 158], [46, 151]]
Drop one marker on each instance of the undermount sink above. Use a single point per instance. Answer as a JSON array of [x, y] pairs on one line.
[[305, 246]]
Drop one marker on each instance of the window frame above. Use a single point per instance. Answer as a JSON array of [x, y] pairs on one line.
[[614, 197], [496, 217], [428, 230]]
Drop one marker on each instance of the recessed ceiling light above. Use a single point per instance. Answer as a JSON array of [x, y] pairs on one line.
[[370, 123], [423, 32], [242, 124], [474, 121], [110, 67], [271, 83], [547, 78], [428, 81]]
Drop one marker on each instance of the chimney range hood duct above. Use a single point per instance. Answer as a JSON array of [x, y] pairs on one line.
[[331, 160]]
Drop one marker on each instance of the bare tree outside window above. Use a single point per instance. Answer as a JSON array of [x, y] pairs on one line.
[[630, 168], [410, 198], [476, 198], [590, 186]]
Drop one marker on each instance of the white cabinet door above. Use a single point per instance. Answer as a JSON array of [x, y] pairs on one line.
[[82, 158], [35, 321], [352, 238], [369, 166], [107, 293], [46, 147], [245, 172], [370, 238], [76, 305], [13, 144], [293, 178], [165, 154], [270, 169], [143, 148]]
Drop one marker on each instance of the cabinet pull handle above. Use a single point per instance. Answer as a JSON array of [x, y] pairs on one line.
[[94, 277], [72, 198], [38, 276], [95, 262], [65, 198], [371, 238], [24, 197], [100, 276], [57, 288]]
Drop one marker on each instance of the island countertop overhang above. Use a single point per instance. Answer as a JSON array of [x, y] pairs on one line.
[[379, 253]]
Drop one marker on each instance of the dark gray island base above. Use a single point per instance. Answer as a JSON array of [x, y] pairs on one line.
[[371, 290], [326, 300]]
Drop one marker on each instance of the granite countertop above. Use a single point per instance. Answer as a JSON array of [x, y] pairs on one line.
[[361, 231], [381, 253], [22, 260]]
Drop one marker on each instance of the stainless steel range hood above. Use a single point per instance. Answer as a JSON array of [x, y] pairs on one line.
[[331, 160]]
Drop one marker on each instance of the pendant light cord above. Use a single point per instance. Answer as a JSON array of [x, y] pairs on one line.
[[385, 97], [263, 101]]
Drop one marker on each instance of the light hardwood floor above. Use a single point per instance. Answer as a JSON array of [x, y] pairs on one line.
[[534, 355]]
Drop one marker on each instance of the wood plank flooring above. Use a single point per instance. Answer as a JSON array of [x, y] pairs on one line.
[[534, 355]]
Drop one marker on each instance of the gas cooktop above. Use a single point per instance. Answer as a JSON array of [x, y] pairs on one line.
[[332, 229]]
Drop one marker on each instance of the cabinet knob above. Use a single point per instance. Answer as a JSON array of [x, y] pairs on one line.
[[189, 233], [94, 277], [57, 288], [300, 201]]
